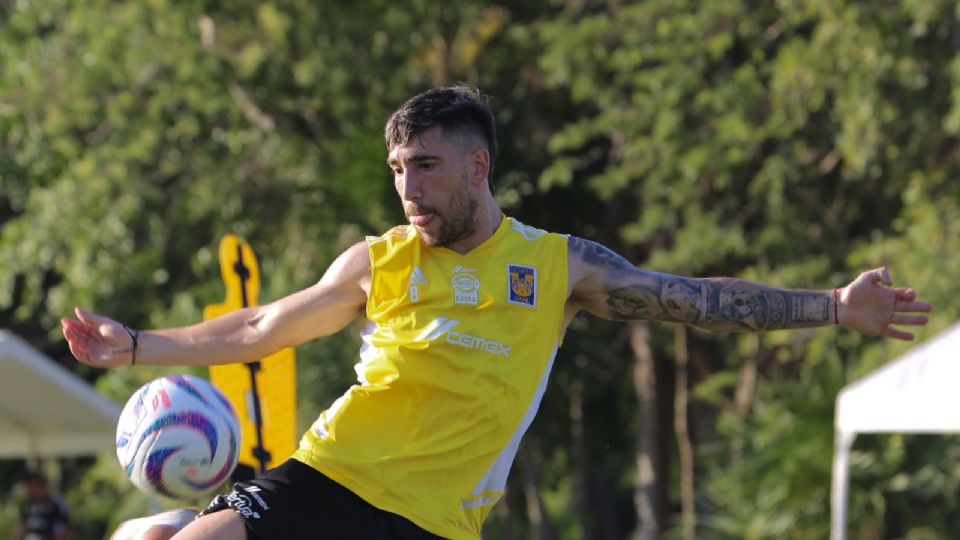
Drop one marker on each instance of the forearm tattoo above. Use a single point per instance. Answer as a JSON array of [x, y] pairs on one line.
[[718, 304]]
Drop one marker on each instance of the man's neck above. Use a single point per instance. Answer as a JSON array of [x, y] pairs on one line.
[[489, 217]]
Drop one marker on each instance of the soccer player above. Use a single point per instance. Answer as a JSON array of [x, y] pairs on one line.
[[466, 308], [43, 515]]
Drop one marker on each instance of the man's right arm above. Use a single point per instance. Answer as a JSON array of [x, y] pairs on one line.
[[241, 336]]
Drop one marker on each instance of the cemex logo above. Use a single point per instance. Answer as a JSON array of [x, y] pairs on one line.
[[443, 327]]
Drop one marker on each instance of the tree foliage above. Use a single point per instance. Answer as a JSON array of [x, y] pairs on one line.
[[783, 142]]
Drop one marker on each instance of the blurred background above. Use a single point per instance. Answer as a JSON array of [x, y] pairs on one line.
[[792, 142]]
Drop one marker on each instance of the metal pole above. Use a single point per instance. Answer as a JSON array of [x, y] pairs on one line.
[[259, 452]]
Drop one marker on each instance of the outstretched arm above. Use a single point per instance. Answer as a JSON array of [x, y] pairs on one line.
[[240, 336], [608, 286]]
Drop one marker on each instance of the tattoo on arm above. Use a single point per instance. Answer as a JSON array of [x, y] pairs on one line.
[[718, 304], [634, 302], [599, 255]]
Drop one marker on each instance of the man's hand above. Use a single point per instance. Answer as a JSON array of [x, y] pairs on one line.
[[870, 305], [97, 341]]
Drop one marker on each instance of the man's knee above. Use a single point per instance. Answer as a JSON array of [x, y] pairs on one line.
[[222, 525], [159, 532]]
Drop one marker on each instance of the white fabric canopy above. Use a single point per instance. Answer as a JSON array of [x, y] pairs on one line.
[[47, 411], [916, 393]]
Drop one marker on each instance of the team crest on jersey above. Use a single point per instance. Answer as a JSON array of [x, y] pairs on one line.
[[466, 286], [523, 285]]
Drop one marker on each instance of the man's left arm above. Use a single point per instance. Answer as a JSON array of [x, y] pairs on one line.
[[608, 286]]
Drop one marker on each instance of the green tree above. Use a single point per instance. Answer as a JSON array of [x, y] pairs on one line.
[[777, 142]]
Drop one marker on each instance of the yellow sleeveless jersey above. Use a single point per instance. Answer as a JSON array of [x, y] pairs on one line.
[[452, 368]]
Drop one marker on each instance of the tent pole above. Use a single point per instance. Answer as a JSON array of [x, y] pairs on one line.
[[841, 484]]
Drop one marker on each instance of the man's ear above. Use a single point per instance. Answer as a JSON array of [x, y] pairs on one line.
[[479, 166]]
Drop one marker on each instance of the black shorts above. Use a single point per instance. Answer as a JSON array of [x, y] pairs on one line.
[[295, 500]]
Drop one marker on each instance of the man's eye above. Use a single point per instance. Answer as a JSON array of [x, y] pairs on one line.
[[426, 166]]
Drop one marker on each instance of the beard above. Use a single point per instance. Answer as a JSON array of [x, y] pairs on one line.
[[457, 221]]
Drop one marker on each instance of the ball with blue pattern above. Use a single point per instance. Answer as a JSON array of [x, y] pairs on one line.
[[178, 437]]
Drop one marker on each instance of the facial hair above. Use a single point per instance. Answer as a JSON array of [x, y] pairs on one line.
[[458, 220]]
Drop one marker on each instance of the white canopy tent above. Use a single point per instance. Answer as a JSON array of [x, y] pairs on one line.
[[47, 411], [916, 393]]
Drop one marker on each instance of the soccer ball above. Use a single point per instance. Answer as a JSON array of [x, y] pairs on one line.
[[178, 437]]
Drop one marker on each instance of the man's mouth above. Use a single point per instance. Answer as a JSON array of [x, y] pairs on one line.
[[421, 219]]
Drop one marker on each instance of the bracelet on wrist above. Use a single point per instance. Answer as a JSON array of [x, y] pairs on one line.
[[836, 304], [134, 337]]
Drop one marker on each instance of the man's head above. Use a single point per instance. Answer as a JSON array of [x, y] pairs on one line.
[[461, 112], [35, 485], [441, 146]]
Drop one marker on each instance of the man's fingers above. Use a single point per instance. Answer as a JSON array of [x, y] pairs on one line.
[[100, 327], [74, 350], [908, 319], [906, 295], [93, 328], [71, 324], [881, 275], [83, 340], [87, 337], [76, 343], [70, 333], [913, 307], [81, 329], [79, 343], [897, 334], [89, 318], [82, 315]]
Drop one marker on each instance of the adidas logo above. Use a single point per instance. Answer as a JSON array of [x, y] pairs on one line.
[[416, 278]]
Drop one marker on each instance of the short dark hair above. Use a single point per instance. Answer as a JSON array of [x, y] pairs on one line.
[[458, 110]]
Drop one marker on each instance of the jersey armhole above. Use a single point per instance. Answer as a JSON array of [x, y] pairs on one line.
[[371, 294], [561, 329]]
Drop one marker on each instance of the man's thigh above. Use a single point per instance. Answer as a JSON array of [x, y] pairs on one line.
[[294, 501]]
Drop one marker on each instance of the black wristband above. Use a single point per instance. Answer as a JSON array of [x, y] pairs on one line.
[[134, 336], [836, 308]]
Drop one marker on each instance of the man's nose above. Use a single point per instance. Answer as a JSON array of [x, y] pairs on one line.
[[410, 188]]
